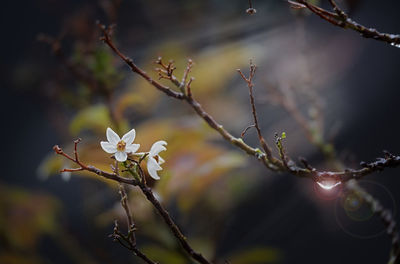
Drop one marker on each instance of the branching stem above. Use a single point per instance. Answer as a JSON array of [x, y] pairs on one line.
[[340, 18]]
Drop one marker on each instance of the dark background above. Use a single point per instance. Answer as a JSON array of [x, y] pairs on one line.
[[278, 212]]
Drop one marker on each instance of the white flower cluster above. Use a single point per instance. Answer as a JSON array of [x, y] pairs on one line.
[[121, 147]]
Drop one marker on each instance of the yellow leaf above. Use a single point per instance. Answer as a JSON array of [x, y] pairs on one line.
[[95, 118], [164, 255]]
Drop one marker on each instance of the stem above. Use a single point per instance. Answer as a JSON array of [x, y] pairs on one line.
[[172, 226], [390, 161], [341, 19]]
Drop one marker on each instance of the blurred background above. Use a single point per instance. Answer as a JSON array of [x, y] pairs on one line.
[[334, 93]]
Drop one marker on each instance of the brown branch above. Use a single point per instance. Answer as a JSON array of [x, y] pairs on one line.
[[184, 82], [172, 226], [271, 162], [341, 19], [125, 206], [189, 88], [385, 216], [250, 85], [125, 241], [107, 175], [389, 161], [245, 130], [129, 240], [107, 32], [168, 220], [146, 191]]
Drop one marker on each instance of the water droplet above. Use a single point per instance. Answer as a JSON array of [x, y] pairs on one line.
[[251, 11], [328, 184], [394, 44]]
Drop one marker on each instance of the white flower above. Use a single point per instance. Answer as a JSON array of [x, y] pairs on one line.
[[154, 160], [120, 147]]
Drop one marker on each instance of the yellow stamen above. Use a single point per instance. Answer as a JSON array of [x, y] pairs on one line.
[[121, 145]]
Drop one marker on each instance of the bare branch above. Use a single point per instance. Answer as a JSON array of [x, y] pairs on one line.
[[270, 162], [250, 85], [341, 19], [189, 88], [110, 176], [129, 240], [107, 33], [125, 241], [149, 195]]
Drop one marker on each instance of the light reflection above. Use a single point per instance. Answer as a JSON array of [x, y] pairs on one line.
[[328, 185]]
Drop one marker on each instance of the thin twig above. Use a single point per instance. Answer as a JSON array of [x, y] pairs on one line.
[[128, 241], [168, 220], [111, 176], [271, 163], [282, 153], [147, 192], [107, 32], [184, 82], [172, 226], [250, 85], [125, 241], [189, 88], [341, 19], [388, 161]]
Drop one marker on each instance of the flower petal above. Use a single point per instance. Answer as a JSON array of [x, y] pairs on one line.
[[112, 137], [108, 147], [152, 168], [132, 148], [160, 160], [129, 137], [157, 147], [151, 162], [139, 153], [121, 156]]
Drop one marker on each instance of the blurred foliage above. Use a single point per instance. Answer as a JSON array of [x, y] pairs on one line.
[[93, 118], [257, 255], [102, 66], [164, 255], [25, 217], [9, 258]]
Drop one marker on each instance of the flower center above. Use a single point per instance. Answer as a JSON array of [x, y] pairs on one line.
[[121, 145], [156, 158]]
